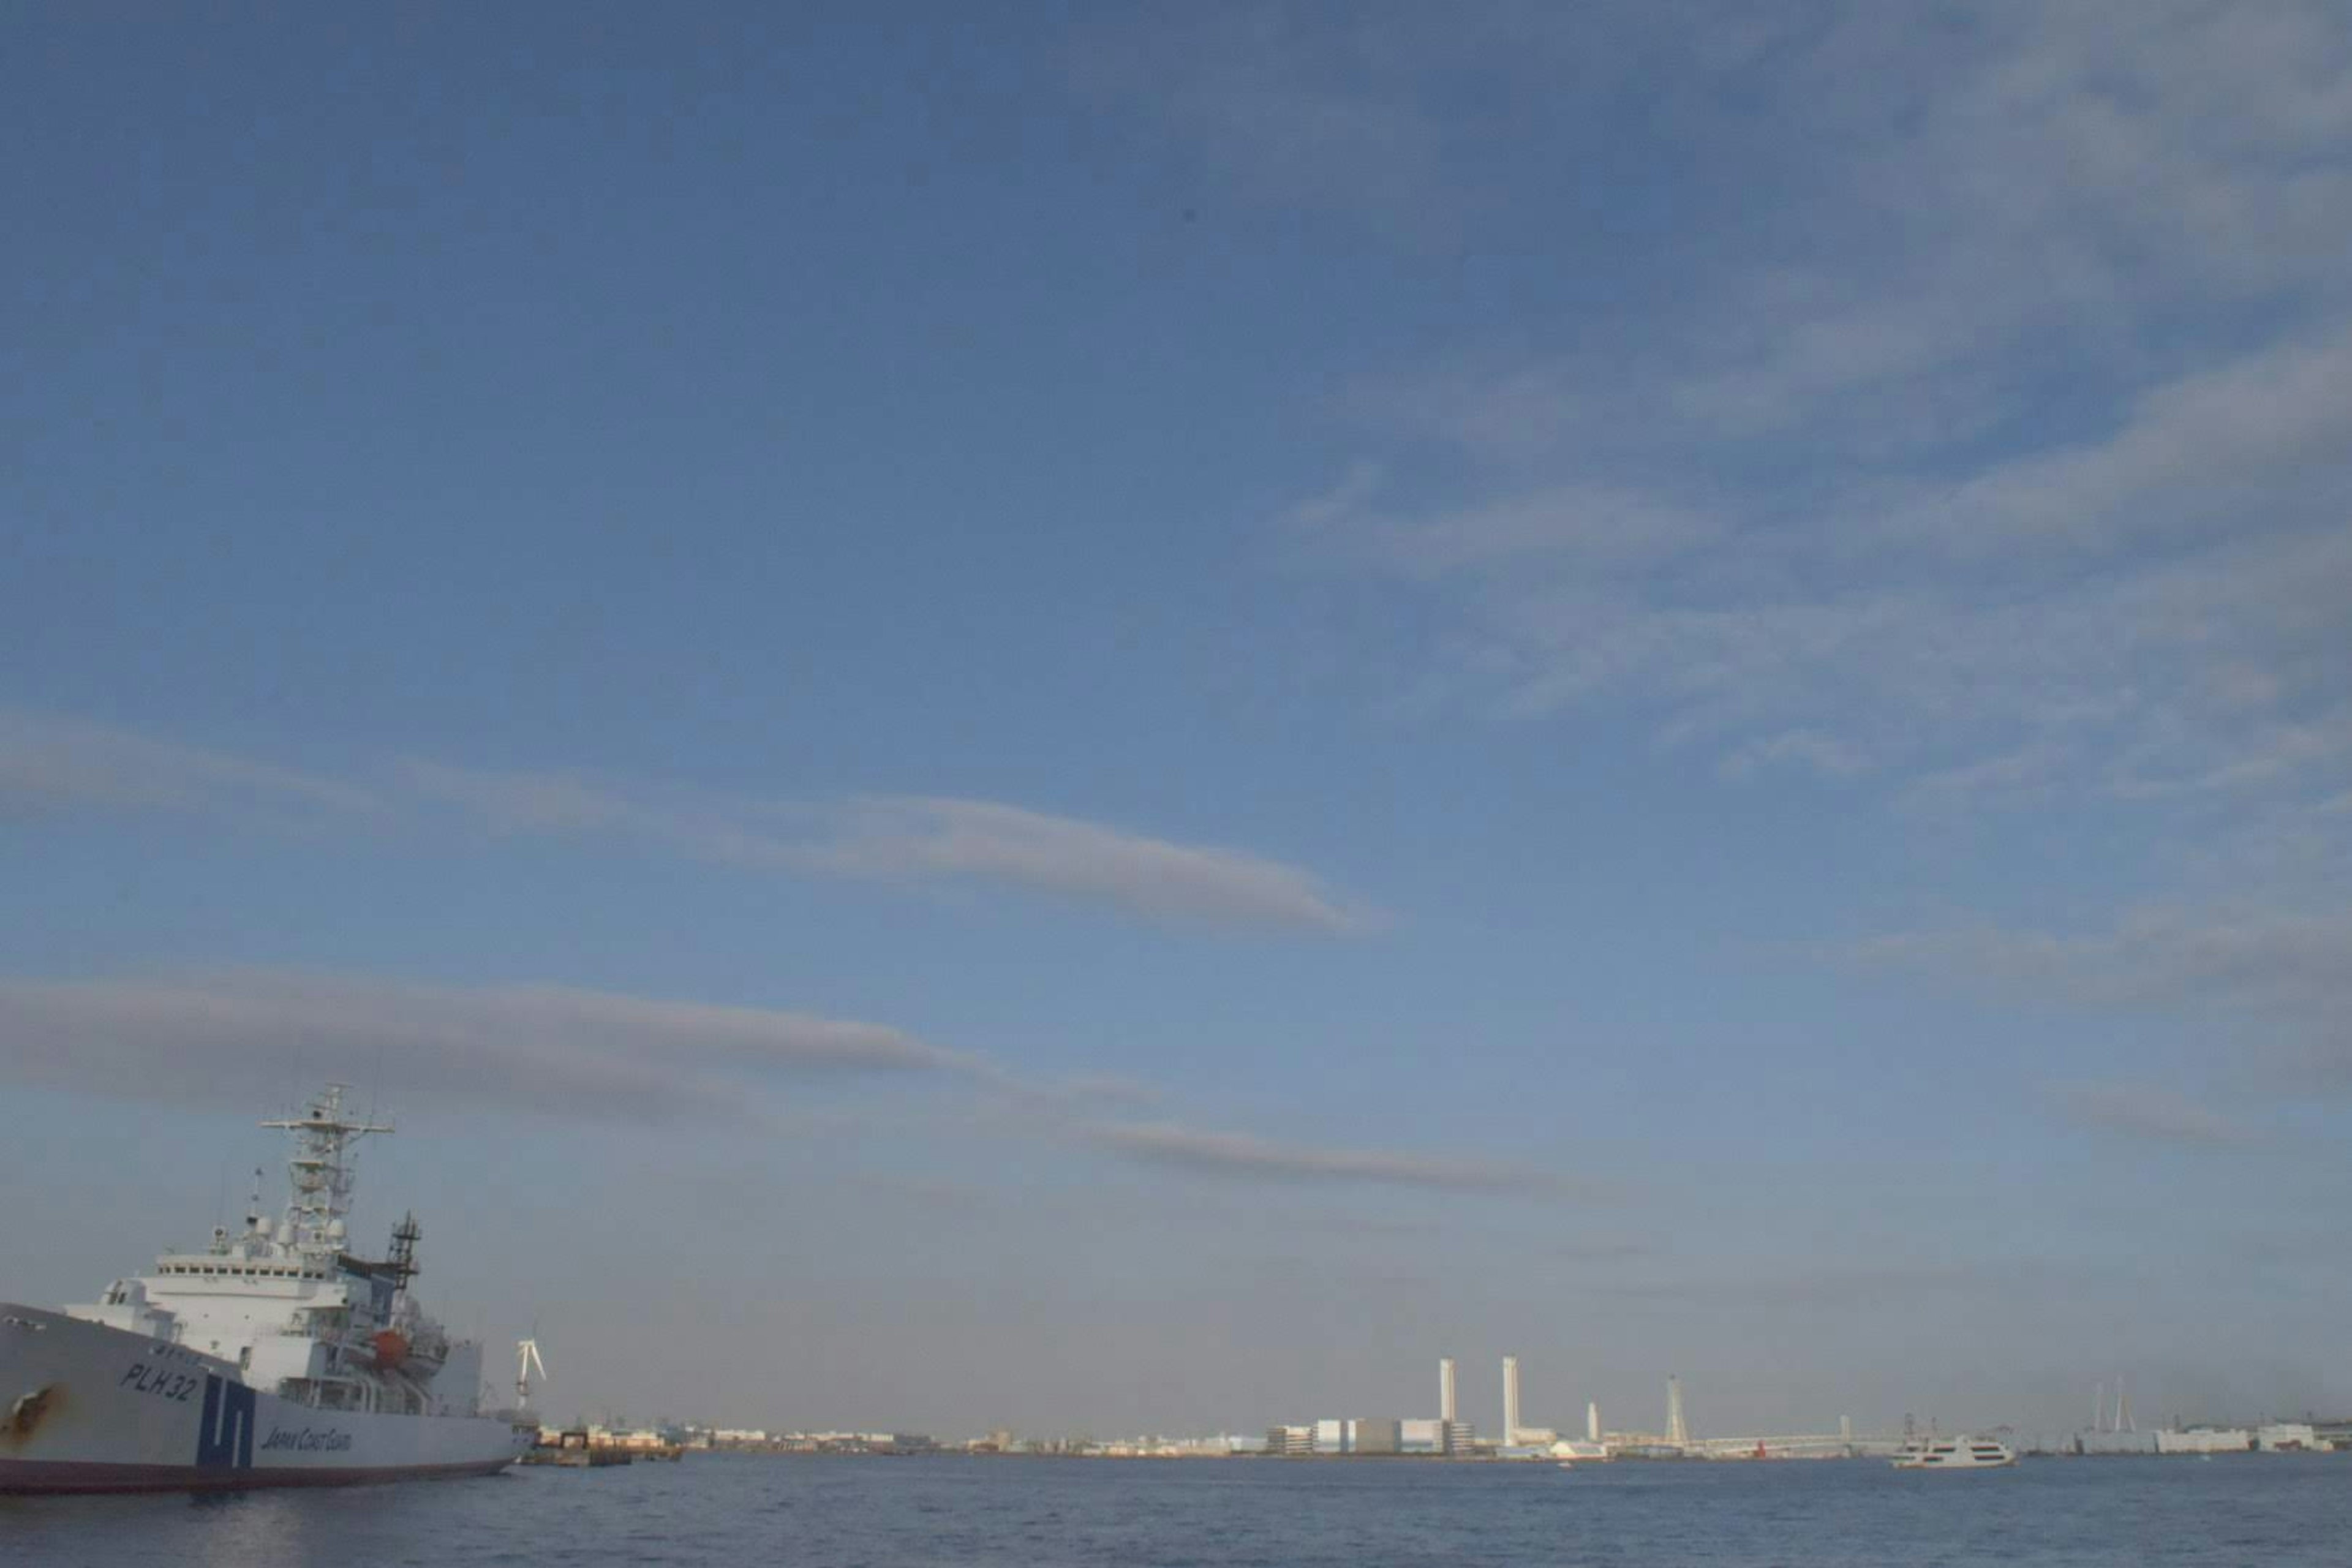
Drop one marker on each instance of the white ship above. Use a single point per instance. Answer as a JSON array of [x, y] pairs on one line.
[[274, 1357], [1956, 1453]]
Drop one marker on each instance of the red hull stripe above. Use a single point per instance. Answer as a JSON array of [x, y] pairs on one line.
[[57, 1475]]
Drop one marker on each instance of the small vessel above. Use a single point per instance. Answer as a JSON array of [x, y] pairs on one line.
[[1956, 1453], [274, 1357]]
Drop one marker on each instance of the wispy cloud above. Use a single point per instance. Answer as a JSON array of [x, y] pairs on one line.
[[1998, 450], [211, 1036], [557, 1050], [1857, 1289], [2271, 987], [49, 761], [53, 763], [917, 838], [2292, 964], [2146, 1111], [1242, 1155], [1245, 87], [2220, 663]]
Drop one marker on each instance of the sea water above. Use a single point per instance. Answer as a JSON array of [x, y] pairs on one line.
[[2276, 1511]]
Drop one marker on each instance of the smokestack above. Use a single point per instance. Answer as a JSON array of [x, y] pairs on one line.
[[1592, 1422], [1510, 1399], [1445, 1388], [1677, 1432]]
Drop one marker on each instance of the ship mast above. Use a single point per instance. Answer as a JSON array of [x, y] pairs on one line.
[[321, 1170]]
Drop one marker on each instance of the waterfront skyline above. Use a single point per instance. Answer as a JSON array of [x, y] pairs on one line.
[[1100, 723]]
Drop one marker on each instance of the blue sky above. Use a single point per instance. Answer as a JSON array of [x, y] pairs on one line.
[[1126, 718]]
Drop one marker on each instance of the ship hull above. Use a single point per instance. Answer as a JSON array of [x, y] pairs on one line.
[[88, 1408]]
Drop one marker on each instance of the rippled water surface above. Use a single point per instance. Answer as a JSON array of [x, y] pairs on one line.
[[2279, 1512]]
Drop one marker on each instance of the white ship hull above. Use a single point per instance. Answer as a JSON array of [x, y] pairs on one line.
[[88, 1408]]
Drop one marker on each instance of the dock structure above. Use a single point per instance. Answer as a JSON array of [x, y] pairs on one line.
[[577, 1447]]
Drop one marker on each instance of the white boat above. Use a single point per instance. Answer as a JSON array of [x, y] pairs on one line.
[[274, 1357], [1956, 1453]]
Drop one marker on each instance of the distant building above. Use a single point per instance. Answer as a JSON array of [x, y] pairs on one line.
[[2205, 1440], [1381, 1435], [1460, 1437], [1421, 1436], [1290, 1442], [1330, 1436], [2286, 1437]]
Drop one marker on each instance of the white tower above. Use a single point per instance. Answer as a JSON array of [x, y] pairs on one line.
[[526, 1359], [1510, 1400], [1445, 1388], [1592, 1422], [1677, 1433]]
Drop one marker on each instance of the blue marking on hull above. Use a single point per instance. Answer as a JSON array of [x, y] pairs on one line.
[[224, 1430]]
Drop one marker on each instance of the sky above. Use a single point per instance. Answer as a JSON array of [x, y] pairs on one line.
[[1118, 719]]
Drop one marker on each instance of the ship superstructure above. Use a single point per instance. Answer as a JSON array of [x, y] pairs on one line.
[[293, 1357], [287, 1302]]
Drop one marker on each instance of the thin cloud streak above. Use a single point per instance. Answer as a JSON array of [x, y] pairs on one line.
[[2147, 1112], [1244, 1156], [48, 761], [52, 762], [917, 838], [2279, 982], [562, 1052], [552, 1050], [2281, 963]]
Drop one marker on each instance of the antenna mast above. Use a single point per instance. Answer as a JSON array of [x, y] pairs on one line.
[[321, 1170]]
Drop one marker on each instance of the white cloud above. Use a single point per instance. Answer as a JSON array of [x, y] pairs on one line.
[[2189, 453]]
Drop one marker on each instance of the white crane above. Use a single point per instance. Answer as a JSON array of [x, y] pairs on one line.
[[526, 1359]]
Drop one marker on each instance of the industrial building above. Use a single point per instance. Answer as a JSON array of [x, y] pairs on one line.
[[2205, 1440]]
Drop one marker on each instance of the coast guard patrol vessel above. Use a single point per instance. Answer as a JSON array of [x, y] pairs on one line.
[[274, 1357]]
